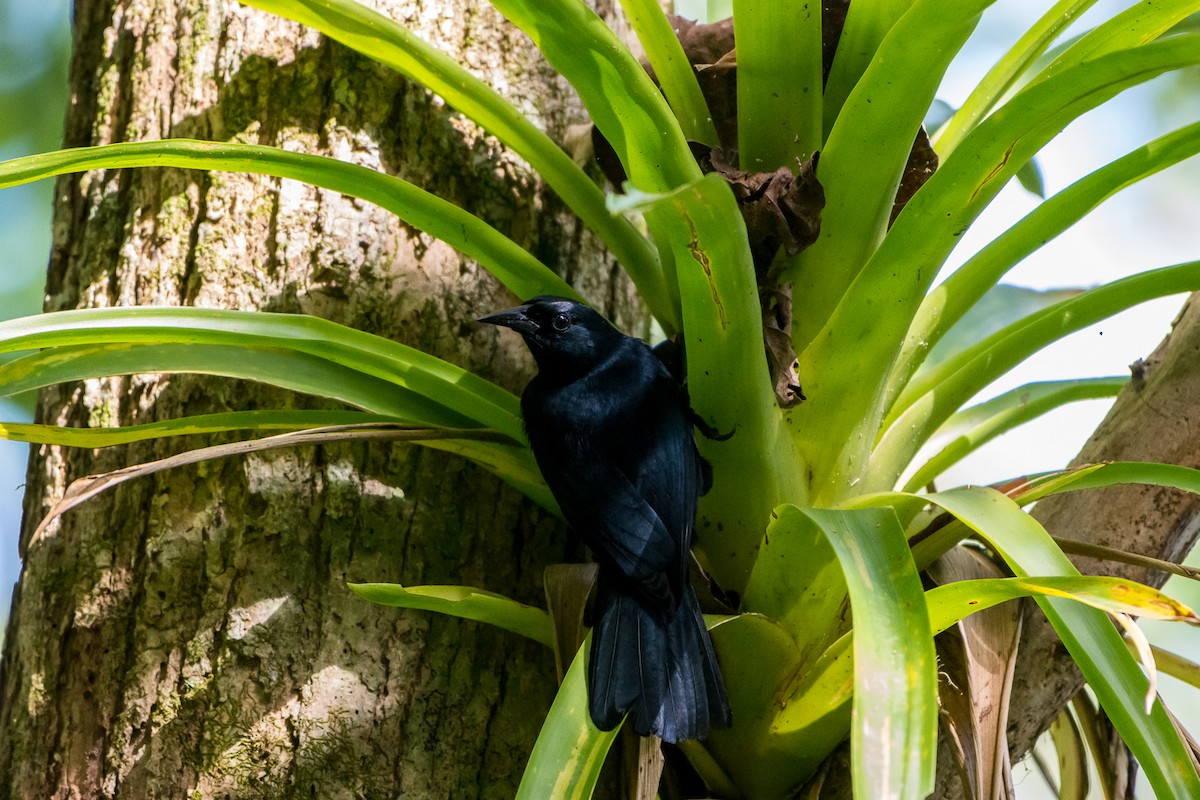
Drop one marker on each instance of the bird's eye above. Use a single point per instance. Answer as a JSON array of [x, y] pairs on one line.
[[560, 322]]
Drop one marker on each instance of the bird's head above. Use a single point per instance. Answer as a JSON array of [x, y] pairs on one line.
[[560, 333]]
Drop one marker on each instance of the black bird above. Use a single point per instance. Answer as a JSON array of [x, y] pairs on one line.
[[611, 430]]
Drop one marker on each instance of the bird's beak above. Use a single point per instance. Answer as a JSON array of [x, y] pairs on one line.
[[514, 318]]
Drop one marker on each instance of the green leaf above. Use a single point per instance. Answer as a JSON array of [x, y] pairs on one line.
[[756, 468], [671, 68], [952, 602], [866, 150], [1001, 306], [894, 734], [83, 489], [404, 368], [1115, 473], [947, 303], [570, 749], [1086, 476], [970, 429], [294, 352], [523, 274], [257, 421], [779, 78], [464, 602], [867, 22], [756, 657], [1003, 76], [798, 582], [820, 689], [931, 398], [381, 39], [1088, 635], [640, 127], [1142, 22], [846, 367], [294, 371]]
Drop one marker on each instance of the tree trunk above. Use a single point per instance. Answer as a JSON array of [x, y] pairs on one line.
[[1153, 419], [191, 634]]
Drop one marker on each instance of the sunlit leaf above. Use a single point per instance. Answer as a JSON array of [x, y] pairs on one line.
[[952, 602], [779, 80], [570, 749], [756, 657], [523, 274], [894, 734], [405, 368], [671, 69], [473, 443], [258, 421], [930, 399], [998, 308], [847, 365], [465, 602], [1003, 75], [584, 50], [948, 302], [870, 140], [973, 427]]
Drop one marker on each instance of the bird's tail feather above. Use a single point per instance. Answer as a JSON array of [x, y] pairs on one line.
[[661, 670]]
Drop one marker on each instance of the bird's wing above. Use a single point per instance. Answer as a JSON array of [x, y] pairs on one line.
[[611, 514]]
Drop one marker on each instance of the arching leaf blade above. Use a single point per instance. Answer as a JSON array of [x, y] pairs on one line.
[[583, 49], [523, 274], [297, 372], [454, 388], [953, 602], [1004, 74], [671, 68], [847, 366], [1137, 25], [570, 749], [272, 421], [864, 154], [971, 428], [954, 298], [465, 602], [894, 734], [933, 397]]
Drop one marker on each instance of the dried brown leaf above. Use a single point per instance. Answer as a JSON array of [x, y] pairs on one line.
[[990, 638], [568, 587]]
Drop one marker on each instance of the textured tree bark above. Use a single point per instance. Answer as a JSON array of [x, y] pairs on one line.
[[1154, 419], [191, 635]]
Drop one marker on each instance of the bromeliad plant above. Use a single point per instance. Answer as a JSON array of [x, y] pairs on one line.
[[811, 507]]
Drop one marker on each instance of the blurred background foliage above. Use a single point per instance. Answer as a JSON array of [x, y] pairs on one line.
[[35, 44]]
